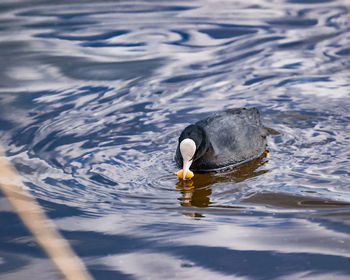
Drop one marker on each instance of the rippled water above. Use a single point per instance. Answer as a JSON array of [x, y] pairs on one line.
[[94, 95]]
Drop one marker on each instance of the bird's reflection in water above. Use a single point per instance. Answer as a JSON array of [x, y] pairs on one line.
[[196, 192]]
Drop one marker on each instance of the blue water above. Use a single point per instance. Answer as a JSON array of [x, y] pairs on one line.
[[93, 97]]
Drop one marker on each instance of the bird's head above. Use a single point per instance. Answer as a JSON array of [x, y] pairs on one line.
[[192, 144]]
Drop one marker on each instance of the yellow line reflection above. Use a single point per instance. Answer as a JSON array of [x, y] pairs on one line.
[[43, 229]]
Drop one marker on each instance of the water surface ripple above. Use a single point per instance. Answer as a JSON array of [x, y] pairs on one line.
[[94, 95]]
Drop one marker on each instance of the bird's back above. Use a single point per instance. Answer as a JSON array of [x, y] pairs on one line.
[[236, 135]]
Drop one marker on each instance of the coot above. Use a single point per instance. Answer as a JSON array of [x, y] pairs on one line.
[[227, 138]]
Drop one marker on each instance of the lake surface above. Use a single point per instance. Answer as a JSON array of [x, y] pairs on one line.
[[93, 97]]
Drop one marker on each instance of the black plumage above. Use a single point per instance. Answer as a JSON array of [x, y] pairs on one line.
[[227, 138]]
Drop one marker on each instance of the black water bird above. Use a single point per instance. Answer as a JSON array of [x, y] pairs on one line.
[[223, 139]]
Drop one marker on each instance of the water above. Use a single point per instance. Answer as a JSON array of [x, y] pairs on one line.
[[95, 94]]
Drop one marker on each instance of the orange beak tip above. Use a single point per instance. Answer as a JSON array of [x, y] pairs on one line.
[[189, 174]]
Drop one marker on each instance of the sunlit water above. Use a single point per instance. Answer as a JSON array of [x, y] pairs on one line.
[[93, 98]]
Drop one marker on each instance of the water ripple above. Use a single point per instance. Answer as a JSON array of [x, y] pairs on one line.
[[94, 97]]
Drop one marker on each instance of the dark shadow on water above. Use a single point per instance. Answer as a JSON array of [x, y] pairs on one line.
[[197, 191], [284, 200]]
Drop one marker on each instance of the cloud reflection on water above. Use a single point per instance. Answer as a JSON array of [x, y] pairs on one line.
[[94, 96]]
